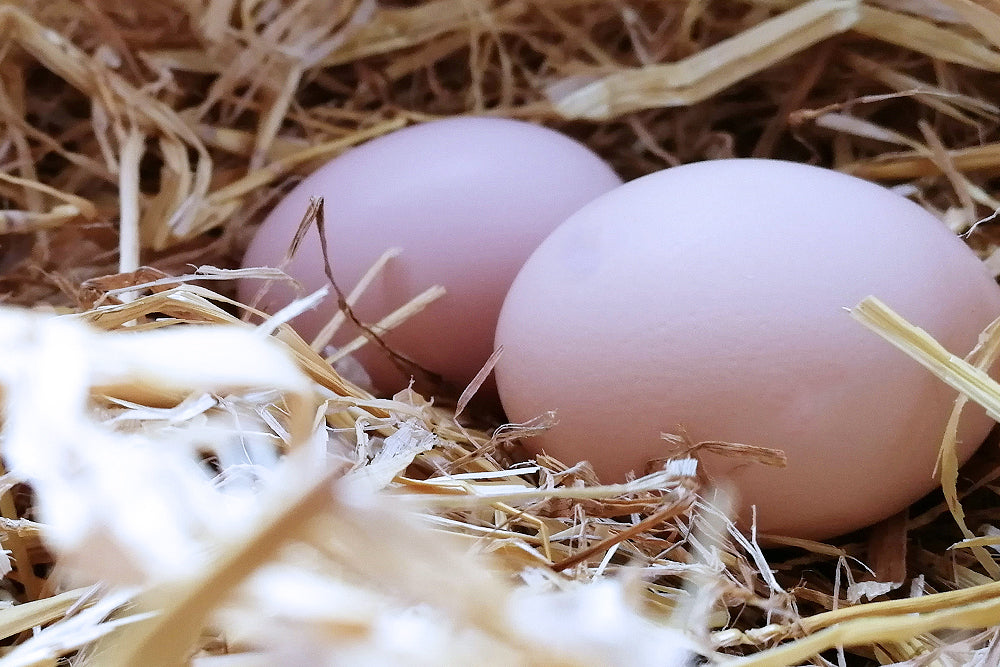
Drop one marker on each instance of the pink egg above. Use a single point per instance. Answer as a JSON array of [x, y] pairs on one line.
[[466, 199], [712, 297]]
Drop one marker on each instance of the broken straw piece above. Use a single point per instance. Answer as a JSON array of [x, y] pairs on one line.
[[921, 346]]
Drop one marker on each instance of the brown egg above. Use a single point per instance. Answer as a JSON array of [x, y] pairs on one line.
[[712, 297], [466, 200]]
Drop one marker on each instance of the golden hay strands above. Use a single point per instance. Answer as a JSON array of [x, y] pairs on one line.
[[280, 167], [391, 321], [189, 303], [955, 105], [968, 193], [876, 629], [981, 18], [118, 99], [166, 639], [710, 71], [910, 165], [985, 541], [957, 181], [983, 357], [397, 29], [28, 221], [20, 544], [455, 491], [73, 206], [232, 100], [82, 625], [15, 620], [122, 356], [971, 380], [128, 220], [918, 344], [339, 318], [941, 43]]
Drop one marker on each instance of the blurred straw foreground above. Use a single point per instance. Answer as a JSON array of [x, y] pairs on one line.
[[219, 495]]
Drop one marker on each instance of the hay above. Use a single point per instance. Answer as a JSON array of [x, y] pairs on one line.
[[169, 495]]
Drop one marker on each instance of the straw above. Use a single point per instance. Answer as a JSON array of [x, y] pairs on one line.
[[189, 481]]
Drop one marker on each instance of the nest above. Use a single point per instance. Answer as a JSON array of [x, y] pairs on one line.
[[179, 493]]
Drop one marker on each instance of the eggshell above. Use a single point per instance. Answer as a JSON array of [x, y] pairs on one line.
[[466, 199], [712, 296]]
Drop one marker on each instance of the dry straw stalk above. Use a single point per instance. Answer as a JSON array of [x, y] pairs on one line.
[[190, 482]]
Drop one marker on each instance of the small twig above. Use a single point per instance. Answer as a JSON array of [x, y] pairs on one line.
[[404, 364], [649, 522]]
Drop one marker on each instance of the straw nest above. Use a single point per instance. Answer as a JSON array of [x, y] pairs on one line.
[[218, 495]]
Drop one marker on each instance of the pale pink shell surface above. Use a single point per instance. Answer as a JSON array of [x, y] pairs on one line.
[[712, 296], [466, 199]]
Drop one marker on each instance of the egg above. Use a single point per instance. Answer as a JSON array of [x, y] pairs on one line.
[[709, 300], [465, 199]]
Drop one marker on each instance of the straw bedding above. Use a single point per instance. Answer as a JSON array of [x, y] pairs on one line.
[[180, 493]]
